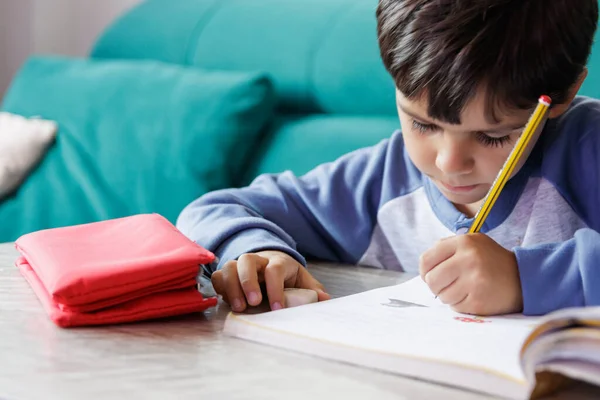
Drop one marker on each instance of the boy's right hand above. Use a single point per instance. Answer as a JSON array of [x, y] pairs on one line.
[[238, 281]]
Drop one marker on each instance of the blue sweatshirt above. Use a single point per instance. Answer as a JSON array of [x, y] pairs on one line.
[[373, 207]]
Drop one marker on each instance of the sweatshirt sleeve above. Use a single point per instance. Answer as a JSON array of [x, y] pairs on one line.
[[328, 214], [560, 275], [567, 274]]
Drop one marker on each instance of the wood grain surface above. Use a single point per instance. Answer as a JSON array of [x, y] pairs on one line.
[[181, 358]]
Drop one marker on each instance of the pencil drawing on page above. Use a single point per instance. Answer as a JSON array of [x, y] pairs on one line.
[[395, 303]]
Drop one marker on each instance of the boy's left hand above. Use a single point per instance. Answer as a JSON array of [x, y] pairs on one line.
[[473, 274]]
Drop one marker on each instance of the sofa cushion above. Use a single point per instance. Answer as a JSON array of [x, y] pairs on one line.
[[134, 137]]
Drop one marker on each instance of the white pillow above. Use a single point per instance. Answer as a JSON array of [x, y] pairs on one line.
[[23, 143]]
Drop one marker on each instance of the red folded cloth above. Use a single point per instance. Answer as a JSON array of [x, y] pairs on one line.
[[114, 271]]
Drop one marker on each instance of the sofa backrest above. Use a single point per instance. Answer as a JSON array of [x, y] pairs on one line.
[[334, 93], [322, 54]]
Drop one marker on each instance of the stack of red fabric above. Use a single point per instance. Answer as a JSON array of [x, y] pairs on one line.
[[115, 271]]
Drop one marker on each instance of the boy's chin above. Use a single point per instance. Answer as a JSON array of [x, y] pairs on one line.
[[470, 198]]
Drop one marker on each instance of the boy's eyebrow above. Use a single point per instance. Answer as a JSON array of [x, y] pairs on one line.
[[513, 127]]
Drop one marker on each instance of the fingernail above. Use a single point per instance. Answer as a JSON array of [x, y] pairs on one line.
[[253, 298], [237, 305], [276, 306]]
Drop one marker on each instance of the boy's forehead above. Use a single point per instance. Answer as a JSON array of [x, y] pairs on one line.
[[475, 112]]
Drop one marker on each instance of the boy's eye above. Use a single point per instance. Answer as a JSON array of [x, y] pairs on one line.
[[486, 140], [491, 141], [423, 128]]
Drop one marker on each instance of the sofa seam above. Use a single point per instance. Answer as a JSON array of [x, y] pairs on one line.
[[197, 31]]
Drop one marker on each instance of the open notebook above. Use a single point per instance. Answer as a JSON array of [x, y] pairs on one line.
[[403, 329]]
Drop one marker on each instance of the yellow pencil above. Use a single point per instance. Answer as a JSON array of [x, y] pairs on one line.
[[511, 162]]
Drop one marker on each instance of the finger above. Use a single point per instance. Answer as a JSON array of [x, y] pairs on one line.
[[248, 266], [218, 284], [306, 281], [454, 293], [442, 250], [275, 275], [233, 289], [322, 295], [442, 276], [462, 305]]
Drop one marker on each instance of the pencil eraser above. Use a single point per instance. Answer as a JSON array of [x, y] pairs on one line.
[[546, 100], [298, 297]]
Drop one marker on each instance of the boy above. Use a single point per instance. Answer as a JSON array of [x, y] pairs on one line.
[[468, 76]]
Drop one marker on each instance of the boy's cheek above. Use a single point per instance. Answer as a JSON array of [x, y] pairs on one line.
[[420, 151]]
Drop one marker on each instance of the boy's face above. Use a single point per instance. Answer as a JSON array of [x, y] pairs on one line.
[[462, 160]]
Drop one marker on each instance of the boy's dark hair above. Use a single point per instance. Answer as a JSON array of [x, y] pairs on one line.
[[516, 50]]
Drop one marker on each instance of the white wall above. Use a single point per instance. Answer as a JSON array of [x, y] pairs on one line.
[[66, 27], [16, 37]]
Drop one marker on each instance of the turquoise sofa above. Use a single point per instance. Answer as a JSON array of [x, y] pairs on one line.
[[178, 98]]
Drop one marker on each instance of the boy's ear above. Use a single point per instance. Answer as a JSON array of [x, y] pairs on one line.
[[559, 109]]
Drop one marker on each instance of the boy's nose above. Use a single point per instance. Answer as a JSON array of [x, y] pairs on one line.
[[454, 159]]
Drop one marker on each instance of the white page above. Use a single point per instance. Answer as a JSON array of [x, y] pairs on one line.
[[415, 291], [383, 321], [572, 347], [571, 344]]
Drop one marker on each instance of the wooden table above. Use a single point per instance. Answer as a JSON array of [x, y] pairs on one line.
[[181, 358]]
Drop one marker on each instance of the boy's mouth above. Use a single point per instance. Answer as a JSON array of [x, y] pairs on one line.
[[458, 189]]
